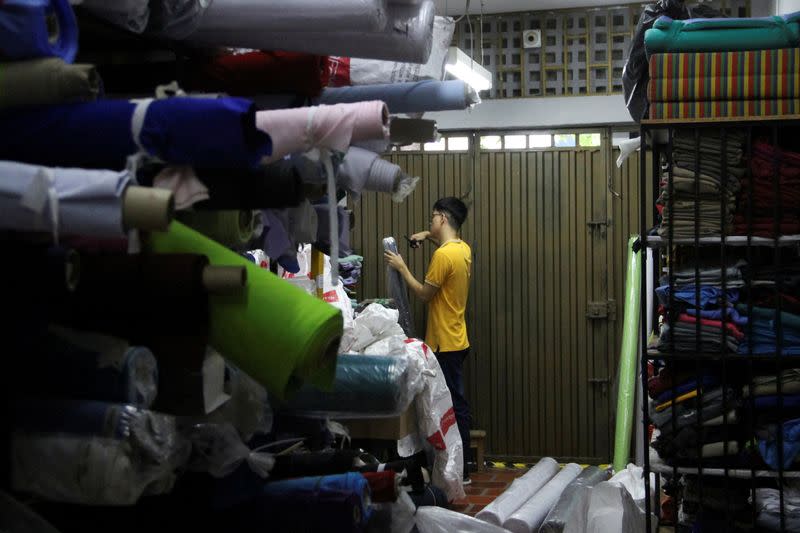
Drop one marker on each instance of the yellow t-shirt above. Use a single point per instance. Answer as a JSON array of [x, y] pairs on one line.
[[450, 272]]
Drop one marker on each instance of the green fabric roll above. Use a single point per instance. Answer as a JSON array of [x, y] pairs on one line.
[[232, 228], [46, 81], [275, 332], [725, 35]]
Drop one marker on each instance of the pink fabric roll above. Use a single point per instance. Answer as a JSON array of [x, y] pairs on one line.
[[326, 126]]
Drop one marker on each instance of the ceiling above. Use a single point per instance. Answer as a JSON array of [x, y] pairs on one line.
[[456, 7]]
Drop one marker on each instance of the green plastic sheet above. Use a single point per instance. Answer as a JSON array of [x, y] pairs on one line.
[[723, 35], [275, 332], [627, 361]]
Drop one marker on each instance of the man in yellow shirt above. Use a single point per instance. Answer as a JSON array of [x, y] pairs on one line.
[[445, 290]]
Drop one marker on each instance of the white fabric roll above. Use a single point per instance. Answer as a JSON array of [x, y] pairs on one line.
[[530, 516], [64, 201], [407, 36], [289, 16], [520, 491]]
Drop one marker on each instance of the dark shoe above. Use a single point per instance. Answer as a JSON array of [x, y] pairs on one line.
[[467, 481]]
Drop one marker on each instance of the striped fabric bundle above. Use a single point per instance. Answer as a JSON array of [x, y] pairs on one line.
[[724, 84], [724, 109]]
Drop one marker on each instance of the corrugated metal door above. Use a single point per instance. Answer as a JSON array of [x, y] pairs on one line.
[[548, 237]]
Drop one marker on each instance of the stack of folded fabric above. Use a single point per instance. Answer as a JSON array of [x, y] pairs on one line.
[[719, 322], [702, 179], [761, 335], [768, 506], [715, 503], [702, 68], [350, 270], [699, 426], [770, 198]]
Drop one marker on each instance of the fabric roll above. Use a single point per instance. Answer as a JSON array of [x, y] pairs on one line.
[[277, 185], [406, 37], [530, 516], [286, 16], [93, 453], [691, 77], [52, 270], [68, 201], [337, 503], [412, 130], [131, 15], [38, 28], [331, 127], [90, 366], [415, 97], [323, 238], [303, 346], [364, 170], [383, 486], [260, 72], [574, 501], [323, 463], [724, 108], [398, 290], [366, 386], [161, 294], [521, 490], [46, 81], [233, 229], [176, 19], [711, 35], [102, 134]]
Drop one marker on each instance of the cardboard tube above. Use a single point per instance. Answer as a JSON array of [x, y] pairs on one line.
[[224, 278], [147, 209]]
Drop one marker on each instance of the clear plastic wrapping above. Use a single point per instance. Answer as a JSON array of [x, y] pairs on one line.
[[366, 386], [398, 290], [93, 453], [218, 450], [574, 502]]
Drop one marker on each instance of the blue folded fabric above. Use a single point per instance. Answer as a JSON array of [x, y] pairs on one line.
[[210, 132], [27, 30], [709, 296], [412, 97], [790, 401], [791, 445], [327, 503], [706, 381]]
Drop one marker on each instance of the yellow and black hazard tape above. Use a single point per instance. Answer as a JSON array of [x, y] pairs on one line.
[[507, 465]]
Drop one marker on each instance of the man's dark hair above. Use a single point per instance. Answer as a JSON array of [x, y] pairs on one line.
[[455, 210]]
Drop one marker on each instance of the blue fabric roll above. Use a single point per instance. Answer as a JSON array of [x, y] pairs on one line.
[[217, 133], [413, 97], [89, 366], [328, 503], [26, 34]]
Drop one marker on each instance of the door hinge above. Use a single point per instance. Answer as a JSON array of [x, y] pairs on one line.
[[597, 223], [604, 309]]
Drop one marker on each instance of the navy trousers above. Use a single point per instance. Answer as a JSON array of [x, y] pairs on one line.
[[452, 364]]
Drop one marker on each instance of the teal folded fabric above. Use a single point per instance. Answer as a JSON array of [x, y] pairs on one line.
[[723, 35]]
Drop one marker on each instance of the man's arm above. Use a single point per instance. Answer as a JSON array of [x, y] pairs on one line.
[[425, 236], [423, 291]]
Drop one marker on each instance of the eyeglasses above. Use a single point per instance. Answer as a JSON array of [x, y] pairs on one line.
[[433, 216]]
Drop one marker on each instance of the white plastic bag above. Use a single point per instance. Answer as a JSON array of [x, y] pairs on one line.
[[612, 510], [436, 424], [393, 345], [439, 520]]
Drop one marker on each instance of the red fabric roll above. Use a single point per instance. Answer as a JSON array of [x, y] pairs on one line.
[[263, 73], [382, 485]]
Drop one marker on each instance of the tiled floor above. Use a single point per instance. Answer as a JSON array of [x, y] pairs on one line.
[[486, 486]]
